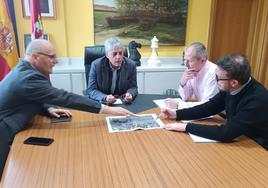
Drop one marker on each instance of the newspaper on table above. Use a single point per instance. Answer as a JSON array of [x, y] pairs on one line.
[[133, 122]]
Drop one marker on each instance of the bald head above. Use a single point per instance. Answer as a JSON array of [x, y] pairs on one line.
[[195, 56], [41, 55], [198, 50], [38, 45]]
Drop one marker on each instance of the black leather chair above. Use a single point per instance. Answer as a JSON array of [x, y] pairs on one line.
[[92, 53]]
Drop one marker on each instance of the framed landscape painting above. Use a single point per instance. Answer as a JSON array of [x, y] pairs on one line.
[[140, 20]]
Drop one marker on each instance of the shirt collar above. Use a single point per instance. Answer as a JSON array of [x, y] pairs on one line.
[[113, 69], [239, 89]]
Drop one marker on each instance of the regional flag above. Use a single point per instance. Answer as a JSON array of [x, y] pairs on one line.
[[37, 27], [8, 49]]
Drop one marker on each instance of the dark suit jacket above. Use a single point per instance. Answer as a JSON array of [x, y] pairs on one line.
[[24, 91], [100, 79]]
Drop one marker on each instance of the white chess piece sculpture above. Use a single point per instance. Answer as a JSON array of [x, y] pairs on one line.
[[154, 60]]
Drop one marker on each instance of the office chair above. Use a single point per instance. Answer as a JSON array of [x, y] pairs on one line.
[[92, 53]]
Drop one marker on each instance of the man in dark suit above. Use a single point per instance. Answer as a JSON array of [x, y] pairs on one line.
[[244, 99], [113, 75], [27, 91]]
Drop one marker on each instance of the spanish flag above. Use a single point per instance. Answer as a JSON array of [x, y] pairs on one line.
[[8, 49]]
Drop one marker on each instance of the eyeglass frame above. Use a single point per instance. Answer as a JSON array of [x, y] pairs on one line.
[[221, 79], [47, 55]]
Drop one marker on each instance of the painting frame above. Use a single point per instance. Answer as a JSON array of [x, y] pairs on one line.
[[27, 38], [47, 7]]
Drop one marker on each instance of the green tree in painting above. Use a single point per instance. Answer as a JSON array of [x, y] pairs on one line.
[[142, 19], [131, 7]]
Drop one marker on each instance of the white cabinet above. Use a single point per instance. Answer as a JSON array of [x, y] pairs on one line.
[[73, 82], [61, 81], [159, 82], [78, 83], [156, 80], [151, 80], [140, 81]]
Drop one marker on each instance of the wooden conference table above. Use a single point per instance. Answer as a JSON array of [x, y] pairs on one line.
[[85, 154]]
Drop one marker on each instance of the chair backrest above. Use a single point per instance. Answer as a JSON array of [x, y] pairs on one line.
[[92, 53]]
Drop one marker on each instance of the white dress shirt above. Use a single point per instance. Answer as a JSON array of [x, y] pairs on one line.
[[203, 86]]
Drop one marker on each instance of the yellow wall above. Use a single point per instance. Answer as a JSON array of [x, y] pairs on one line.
[[73, 27]]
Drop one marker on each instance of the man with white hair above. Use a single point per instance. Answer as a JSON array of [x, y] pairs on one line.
[[113, 75]]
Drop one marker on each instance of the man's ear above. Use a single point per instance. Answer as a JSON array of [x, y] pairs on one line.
[[34, 56], [234, 83], [203, 60]]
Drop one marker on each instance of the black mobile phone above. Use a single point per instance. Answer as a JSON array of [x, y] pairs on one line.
[[38, 141], [61, 119]]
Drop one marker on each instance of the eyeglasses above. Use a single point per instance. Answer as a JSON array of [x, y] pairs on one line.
[[47, 55], [219, 79]]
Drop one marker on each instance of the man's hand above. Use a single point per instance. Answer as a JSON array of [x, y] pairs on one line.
[[167, 113], [171, 103], [110, 99], [176, 127], [115, 111], [57, 112], [188, 74], [127, 97]]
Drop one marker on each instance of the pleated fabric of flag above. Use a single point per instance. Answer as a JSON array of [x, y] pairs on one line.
[[36, 23], [8, 49]]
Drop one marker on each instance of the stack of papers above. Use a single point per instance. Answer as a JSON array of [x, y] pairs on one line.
[[205, 118], [181, 104], [160, 103], [200, 139]]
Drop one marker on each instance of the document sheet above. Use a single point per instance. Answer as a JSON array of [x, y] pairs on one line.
[[133, 122], [200, 139]]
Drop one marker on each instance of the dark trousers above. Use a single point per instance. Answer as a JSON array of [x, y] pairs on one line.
[[5, 141]]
